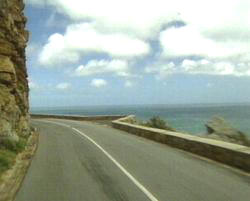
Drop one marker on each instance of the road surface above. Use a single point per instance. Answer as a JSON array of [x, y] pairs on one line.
[[80, 161]]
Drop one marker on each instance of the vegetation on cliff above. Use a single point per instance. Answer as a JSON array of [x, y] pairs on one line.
[[157, 122], [154, 122], [8, 152], [7, 159]]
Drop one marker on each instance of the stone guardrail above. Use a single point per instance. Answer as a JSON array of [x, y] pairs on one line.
[[227, 153], [79, 118]]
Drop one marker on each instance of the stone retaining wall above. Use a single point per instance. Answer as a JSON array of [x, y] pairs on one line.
[[81, 118], [231, 154]]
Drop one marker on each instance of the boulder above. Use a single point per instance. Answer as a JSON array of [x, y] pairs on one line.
[[219, 129]]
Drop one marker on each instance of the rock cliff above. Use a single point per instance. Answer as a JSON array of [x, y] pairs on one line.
[[14, 104]]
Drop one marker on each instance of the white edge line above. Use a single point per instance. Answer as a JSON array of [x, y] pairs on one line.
[[137, 183]]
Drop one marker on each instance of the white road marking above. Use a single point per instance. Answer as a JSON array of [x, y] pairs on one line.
[[134, 180]]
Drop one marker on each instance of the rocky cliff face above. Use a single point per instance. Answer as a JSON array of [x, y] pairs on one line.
[[14, 105]]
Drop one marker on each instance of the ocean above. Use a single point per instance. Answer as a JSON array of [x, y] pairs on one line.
[[185, 118]]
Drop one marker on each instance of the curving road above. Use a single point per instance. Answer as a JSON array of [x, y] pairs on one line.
[[80, 161]]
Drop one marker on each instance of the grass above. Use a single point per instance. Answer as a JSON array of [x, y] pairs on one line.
[[7, 159], [156, 122], [13, 146], [8, 152]]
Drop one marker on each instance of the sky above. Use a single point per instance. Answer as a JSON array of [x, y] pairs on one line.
[[116, 52]]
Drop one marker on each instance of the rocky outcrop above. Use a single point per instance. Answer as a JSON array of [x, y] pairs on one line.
[[14, 105], [219, 129]]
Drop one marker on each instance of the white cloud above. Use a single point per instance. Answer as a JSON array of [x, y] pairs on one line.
[[206, 67], [202, 66], [98, 83], [220, 57], [81, 39], [117, 67], [128, 84], [55, 52], [63, 86], [133, 17], [217, 31], [162, 70], [188, 41], [144, 20], [33, 85]]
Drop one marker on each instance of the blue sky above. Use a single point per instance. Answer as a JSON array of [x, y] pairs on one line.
[[125, 52]]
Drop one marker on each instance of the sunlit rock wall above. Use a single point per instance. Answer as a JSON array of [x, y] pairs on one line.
[[14, 104]]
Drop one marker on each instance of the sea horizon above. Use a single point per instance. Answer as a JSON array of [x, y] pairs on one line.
[[147, 104], [187, 118]]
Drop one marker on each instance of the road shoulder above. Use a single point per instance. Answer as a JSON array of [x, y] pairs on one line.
[[12, 179]]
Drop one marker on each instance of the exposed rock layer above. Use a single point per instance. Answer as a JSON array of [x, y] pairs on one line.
[[14, 105]]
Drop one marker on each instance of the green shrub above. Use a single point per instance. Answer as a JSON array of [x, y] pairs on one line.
[[12, 145], [20, 146], [157, 122], [7, 159], [8, 144], [8, 152], [4, 163]]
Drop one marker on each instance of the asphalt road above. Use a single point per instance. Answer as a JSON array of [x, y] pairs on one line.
[[79, 161]]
